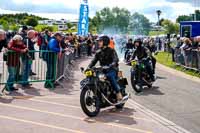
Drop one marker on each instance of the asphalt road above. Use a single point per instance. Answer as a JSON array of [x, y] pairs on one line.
[[173, 96], [38, 110]]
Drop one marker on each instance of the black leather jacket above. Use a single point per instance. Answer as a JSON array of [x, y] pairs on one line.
[[3, 44], [106, 57], [141, 52], [130, 46]]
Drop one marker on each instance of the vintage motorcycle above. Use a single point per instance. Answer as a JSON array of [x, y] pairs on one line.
[[129, 55], [139, 75], [97, 91]]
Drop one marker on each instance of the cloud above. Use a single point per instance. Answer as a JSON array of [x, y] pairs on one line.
[[153, 9], [150, 12], [170, 8], [37, 7], [195, 3], [179, 1], [57, 16]]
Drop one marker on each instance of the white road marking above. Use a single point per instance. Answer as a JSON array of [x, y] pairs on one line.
[[39, 124], [166, 123]]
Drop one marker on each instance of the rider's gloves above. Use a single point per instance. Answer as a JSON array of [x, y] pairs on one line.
[[112, 65]]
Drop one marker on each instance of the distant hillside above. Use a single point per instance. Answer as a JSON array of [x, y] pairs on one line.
[[18, 18], [12, 21]]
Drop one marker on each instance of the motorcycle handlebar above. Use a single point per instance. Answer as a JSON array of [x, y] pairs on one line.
[[105, 67]]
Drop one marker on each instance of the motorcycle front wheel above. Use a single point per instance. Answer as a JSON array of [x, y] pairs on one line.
[[137, 87], [90, 103]]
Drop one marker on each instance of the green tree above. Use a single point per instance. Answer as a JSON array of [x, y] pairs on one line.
[[69, 25], [170, 27], [161, 20], [14, 27], [94, 25], [177, 28], [184, 18], [19, 18], [5, 24], [32, 22], [44, 27], [50, 28], [115, 20], [197, 12], [139, 24]]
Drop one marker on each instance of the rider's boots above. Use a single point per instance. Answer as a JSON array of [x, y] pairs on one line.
[[119, 96]]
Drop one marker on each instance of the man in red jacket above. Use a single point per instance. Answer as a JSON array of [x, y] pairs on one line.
[[16, 47]]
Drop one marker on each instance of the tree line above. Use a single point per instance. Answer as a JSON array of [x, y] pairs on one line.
[[191, 17], [12, 21], [115, 20], [120, 20]]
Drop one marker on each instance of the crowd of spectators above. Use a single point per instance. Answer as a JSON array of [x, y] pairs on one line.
[[19, 49], [185, 51], [19, 53]]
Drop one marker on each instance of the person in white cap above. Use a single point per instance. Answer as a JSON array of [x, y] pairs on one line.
[[13, 60], [29, 42], [27, 60]]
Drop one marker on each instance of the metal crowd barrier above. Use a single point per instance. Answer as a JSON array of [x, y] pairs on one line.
[[83, 49], [49, 67], [65, 64], [189, 59]]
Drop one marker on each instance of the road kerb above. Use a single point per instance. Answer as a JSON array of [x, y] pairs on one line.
[[178, 73]]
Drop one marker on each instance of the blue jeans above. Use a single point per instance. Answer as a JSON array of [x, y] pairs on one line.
[[149, 68], [11, 77], [26, 71], [112, 77]]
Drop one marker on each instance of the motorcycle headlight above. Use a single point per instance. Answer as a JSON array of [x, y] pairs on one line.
[[133, 63], [102, 77], [88, 73]]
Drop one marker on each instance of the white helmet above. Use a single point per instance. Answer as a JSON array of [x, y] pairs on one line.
[[17, 37], [2, 32]]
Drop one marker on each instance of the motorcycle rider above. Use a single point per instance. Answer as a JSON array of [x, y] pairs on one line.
[[152, 49], [141, 53], [129, 46], [108, 57]]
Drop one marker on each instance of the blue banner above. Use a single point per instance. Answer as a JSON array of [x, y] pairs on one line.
[[83, 24]]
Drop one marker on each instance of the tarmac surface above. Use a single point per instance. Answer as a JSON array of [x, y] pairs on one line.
[[38, 110]]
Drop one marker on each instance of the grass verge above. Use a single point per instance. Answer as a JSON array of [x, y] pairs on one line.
[[166, 59]]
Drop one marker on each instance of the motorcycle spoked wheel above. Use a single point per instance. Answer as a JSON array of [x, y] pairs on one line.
[[90, 103], [137, 87]]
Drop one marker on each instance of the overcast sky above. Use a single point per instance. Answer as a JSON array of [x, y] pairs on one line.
[[69, 9]]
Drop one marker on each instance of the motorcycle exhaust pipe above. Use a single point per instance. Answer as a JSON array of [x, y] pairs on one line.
[[115, 104], [146, 81]]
